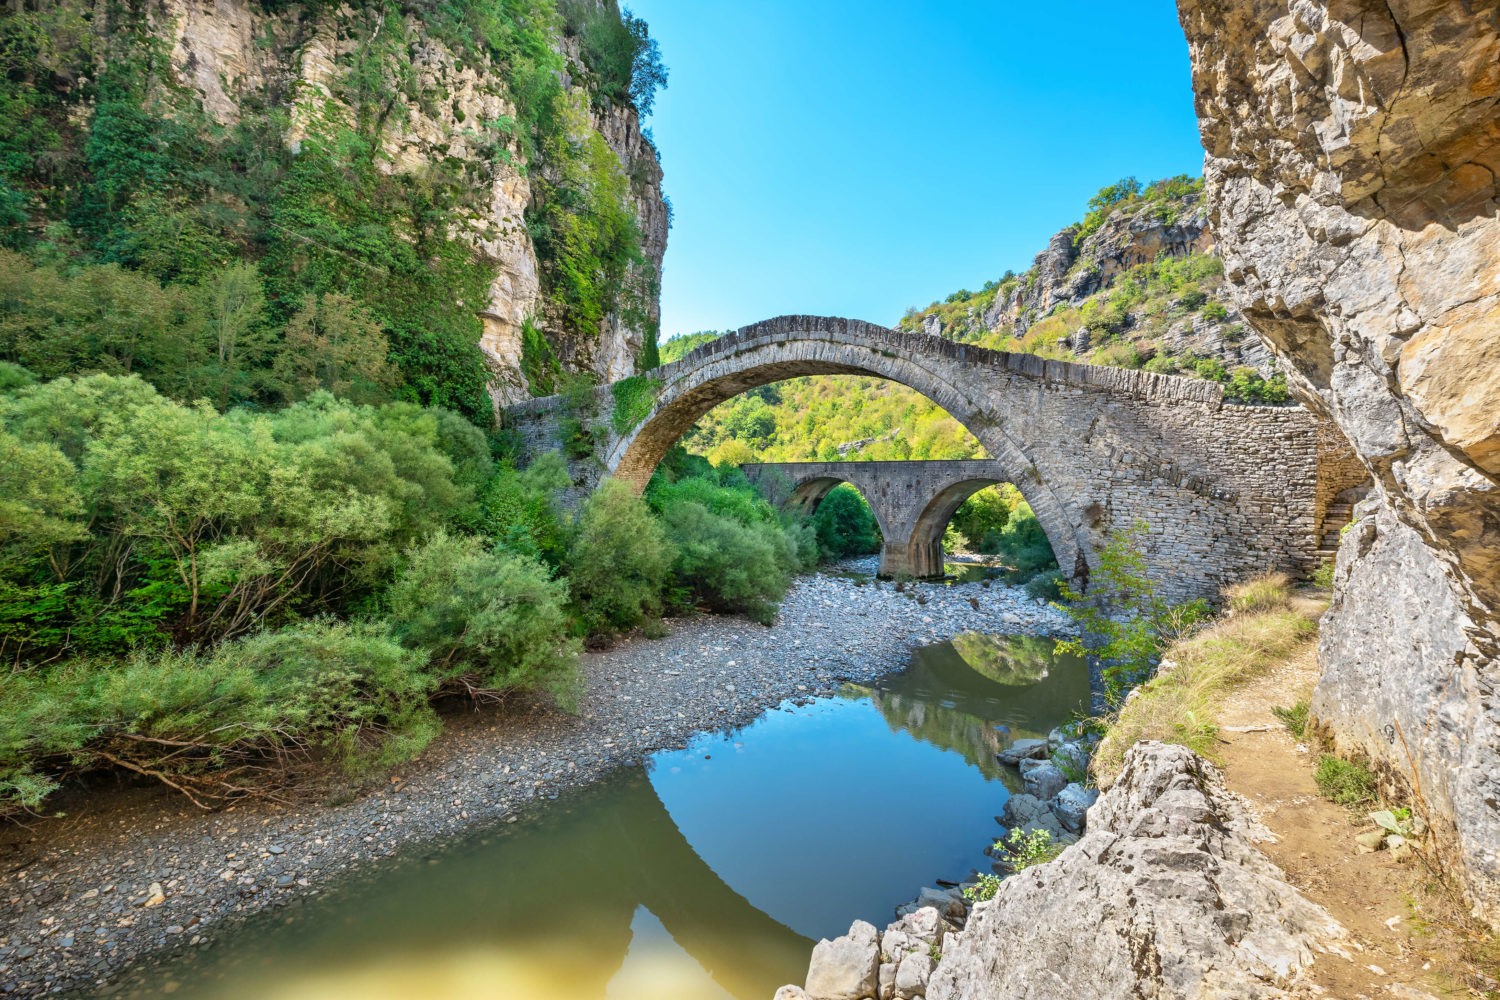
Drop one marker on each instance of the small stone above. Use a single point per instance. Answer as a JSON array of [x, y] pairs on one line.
[[276, 849], [155, 896], [176, 929], [1021, 750], [1371, 839]]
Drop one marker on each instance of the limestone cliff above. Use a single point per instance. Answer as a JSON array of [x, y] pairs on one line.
[[1352, 151], [231, 51], [1062, 304]]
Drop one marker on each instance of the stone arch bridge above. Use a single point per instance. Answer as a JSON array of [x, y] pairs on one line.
[[1227, 490]]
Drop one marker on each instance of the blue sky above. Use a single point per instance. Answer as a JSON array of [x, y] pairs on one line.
[[855, 157]]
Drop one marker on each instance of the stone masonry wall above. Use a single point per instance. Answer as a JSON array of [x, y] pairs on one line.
[[1227, 490]]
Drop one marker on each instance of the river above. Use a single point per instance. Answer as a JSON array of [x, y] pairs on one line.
[[707, 872]]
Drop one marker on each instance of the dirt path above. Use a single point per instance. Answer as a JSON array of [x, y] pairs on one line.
[[1378, 899]]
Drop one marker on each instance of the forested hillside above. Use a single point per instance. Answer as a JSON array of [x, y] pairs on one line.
[[1136, 284], [251, 201]]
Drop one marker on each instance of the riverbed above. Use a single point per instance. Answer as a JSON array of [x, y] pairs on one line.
[[83, 888]]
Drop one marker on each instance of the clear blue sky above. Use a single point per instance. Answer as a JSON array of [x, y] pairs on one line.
[[855, 157]]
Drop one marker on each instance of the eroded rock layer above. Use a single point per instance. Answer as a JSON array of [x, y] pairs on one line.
[[1352, 151]]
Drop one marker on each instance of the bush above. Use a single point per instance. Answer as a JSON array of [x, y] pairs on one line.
[[1122, 621], [205, 722], [491, 621], [845, 525], [1345, 782], [619, 561], [1022, 544], [985, 511], [1045, 586], [735, 552], [518, 510]]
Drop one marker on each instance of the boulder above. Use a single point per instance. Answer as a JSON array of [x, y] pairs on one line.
[[887, 978], [912, 975], [1071, 805], [1071, 757], [1045, 781], [791, 993], [923, 926], [846, 968], [1179, 903], [1028, 813], [1029, 765], [1351, 182], [947, 903], [1021, 750]]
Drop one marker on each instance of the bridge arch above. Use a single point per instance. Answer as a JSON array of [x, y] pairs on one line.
[[1227, 489]]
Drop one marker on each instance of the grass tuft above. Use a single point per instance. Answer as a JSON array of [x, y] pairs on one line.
[[1294, 718], [1345, 782], [1266, 625]]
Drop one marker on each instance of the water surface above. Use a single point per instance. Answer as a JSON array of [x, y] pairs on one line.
[[708, 873]]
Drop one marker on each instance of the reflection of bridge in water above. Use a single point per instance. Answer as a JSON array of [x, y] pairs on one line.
[[953, 695]]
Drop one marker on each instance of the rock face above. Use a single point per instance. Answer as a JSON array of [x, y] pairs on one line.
[[1352, 151], [220, 49], [1180, 903]]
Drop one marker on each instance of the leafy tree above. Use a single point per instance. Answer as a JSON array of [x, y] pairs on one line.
[[334, 344], [987, 510], [845, 525], [619, 561], [1122, 620], [491, 621]]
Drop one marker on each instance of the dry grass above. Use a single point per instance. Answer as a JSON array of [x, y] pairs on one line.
[[1263, 625]]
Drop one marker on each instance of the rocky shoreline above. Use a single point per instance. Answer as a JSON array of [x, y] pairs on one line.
[[137, 872], [1180, 902]]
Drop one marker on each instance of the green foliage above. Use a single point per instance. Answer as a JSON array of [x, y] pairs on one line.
[[1322, 577], [1045, 586], [203, 721], [212, 524], [1215, 311], [1246, 385], [1018, 851], [489, 619], [987, 510], [734, 552], [619, 561], [1020, 542], [578, 425], [1103, 204], [1345, 782], [619, 50], [538, 363], [1294, 718], [634, 397], [844, 524], [519, 511], [1122, 620]]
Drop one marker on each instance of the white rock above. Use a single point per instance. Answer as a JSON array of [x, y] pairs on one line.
[[847, 967]]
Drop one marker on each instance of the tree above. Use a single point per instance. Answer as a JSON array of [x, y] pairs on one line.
[[234, 304], [334, 343]]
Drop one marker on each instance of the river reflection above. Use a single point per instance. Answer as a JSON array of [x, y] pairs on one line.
[[706, 874]]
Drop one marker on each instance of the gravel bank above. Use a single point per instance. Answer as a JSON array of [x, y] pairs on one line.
[[131, 871]]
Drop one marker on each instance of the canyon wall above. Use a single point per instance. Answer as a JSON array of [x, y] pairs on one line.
[[1351, 156], [231, 51]]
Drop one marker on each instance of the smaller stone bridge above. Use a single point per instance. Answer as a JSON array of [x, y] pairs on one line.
[[912, 501]]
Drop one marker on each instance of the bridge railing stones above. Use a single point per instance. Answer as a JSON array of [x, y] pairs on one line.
[[1228, 489]]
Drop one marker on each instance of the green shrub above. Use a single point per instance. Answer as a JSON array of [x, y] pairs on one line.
[[619, 561], [491, 620], [519, 510], [1022, 544], [1322, 577], [13, 376], [1345, 782], [1294, 718], [1122, 620], [1045, 586], [1215, 311], [845, 525], [212, 723], [1191, 299]]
